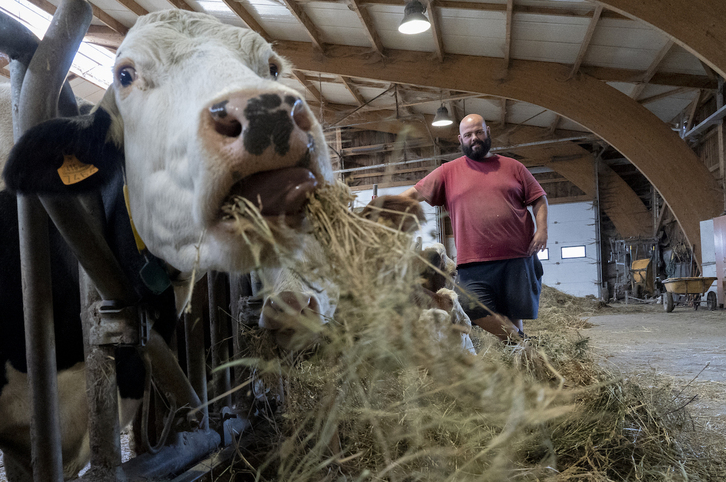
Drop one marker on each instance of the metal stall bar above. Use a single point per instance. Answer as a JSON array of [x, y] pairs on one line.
[[31, 105], [84, 237], [103, 422], [101, 393], [240, 292], [169, 375], [219, 339], [40, 341], [196, 359]]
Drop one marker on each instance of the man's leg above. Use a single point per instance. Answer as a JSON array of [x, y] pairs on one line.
[[499, 326], [480, 292], [519, 325]]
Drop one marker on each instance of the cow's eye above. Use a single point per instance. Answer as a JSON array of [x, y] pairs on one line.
[[126, 76], [274, 71]]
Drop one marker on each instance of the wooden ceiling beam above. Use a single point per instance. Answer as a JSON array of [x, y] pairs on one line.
[[181, 4], [134, 7], [114, 24], [309, 87], [664, 95], [109, 20], [103, 36], [401, 104], [582, 11], [650, 144], [508, 33], [108, 37], [247, 18], [652, 69], [436, 30], [353, 91], [299, 13], [607, 74], [367, 22], [555, 123], [699, 26], [586, 40], [709, 71], [435, 96]]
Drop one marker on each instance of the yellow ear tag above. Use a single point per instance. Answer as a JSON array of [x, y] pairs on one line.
[[139, 242], [73, 171]]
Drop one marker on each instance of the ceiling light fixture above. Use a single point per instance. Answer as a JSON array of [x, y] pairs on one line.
[[442, 118], [414, 20]]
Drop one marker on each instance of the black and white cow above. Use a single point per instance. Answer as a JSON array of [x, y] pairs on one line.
[[194, 116]]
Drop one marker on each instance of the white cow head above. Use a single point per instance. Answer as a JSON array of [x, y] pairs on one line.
[[297, 301], [197, 113]]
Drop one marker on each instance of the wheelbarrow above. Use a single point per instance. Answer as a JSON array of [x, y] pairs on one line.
[[691, 290]]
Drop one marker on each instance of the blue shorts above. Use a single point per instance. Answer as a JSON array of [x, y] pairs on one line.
[[509, 287]]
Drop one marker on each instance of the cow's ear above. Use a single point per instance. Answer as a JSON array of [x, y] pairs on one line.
[[64, 155]]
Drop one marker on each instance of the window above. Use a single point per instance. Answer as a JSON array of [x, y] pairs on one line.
[[573, 252], [544, 254]]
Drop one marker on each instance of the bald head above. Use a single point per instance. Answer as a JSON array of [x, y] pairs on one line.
[[472, 121], [474, 137]]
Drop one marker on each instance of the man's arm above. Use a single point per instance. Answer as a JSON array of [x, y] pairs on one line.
[[413, 194], [539, 240]]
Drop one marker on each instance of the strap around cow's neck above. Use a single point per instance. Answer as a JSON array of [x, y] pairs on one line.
[[140, 245], [153, 273]]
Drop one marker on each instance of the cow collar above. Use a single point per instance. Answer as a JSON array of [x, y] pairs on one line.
[[154, 274]]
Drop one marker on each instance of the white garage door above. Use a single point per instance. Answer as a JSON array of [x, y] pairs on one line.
[[572, 249]]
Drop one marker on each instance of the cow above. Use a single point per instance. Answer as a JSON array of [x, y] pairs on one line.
[[296, 306], [297, 301], [437, 297], [195, 117]]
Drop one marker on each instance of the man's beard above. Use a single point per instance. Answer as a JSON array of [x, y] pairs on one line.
[[481, 153]]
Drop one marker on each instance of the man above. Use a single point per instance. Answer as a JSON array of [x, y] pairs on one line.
[[487, 196]]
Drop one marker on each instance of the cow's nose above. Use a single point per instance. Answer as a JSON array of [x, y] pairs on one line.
[[263, 121], [291, 302]]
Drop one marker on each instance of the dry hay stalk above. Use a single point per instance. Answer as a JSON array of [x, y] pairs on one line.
[[385, 397]]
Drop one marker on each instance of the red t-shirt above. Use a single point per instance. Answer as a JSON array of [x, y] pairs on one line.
[[487, 202]]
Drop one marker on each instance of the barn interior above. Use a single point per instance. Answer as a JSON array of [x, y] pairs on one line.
[[616, 107], [524, 66]]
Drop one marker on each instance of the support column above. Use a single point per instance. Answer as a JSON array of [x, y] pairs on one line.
[[721, 145]]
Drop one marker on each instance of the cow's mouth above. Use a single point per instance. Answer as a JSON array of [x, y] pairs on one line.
[[274, 193]]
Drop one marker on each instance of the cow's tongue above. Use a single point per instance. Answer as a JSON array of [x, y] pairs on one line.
[[282, 191]]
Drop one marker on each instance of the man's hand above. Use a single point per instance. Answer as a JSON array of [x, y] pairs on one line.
[[538, 243]]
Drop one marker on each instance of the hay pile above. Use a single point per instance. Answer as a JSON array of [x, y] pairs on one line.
[[385, 397]]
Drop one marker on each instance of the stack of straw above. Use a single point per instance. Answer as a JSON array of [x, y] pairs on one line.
[[384, 398]]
